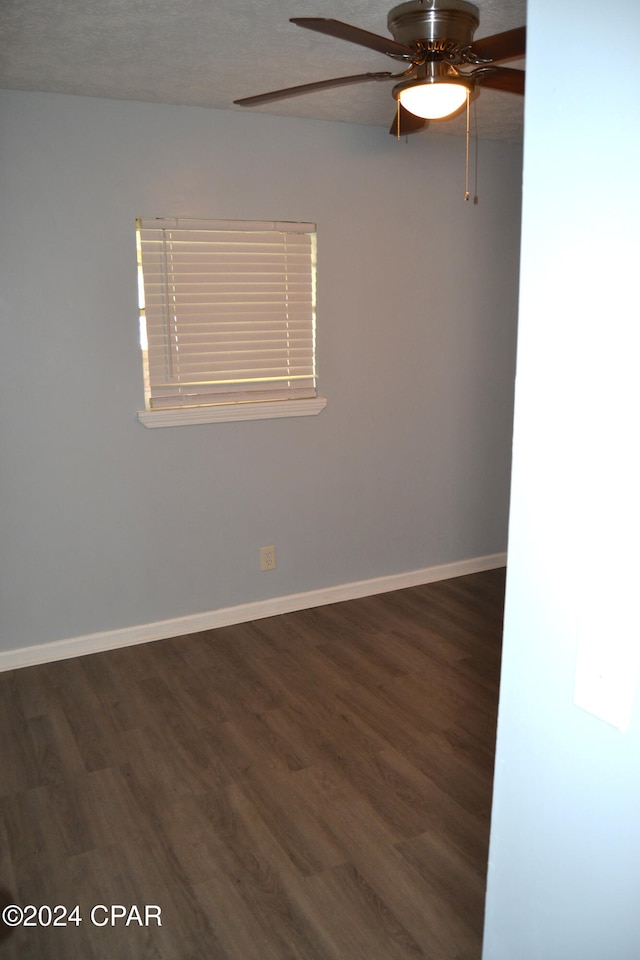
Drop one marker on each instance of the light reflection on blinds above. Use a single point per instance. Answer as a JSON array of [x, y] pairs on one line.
[[228, 311]]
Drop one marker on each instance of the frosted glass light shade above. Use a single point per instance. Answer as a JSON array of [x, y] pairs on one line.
[[433, 101]]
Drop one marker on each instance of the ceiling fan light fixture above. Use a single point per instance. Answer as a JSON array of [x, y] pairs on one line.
[[433, 100]]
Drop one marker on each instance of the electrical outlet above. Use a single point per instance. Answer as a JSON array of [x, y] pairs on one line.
[[268, 558]]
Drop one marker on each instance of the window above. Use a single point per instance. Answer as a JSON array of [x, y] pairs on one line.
[[227, 320]]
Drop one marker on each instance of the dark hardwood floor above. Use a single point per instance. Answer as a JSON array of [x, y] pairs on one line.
[[314, 786]]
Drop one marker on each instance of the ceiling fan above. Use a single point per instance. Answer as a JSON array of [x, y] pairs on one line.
[[434, 41]]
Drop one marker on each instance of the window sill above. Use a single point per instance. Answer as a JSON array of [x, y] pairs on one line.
[[263, 410]]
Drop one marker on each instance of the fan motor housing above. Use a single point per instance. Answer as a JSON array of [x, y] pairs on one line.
[[434, 21]]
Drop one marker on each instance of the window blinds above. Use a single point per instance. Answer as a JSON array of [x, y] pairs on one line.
[[227, 311]]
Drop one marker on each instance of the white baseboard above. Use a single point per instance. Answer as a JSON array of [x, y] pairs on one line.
[[197, 622]]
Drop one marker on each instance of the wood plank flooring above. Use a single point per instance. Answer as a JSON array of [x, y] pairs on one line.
[[313, 786]]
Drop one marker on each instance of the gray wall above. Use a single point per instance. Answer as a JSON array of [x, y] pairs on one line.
[[107, 524], [564, 875]]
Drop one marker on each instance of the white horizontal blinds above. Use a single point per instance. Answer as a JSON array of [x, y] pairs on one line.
[[230, 311]]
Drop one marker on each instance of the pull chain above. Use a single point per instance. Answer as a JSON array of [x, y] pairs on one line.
[[475, 165], [466, 190]]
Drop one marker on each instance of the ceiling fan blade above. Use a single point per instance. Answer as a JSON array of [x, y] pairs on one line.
[[502, 78], [311, 88], [409, 123], [344, 31], [502, 46]]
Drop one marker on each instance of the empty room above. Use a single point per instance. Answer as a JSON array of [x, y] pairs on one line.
[[305, 647]]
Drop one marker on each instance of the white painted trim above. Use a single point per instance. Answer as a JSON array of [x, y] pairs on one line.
[[223, 412], [197, 622]]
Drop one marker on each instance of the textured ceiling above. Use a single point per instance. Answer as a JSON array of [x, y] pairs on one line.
[[208, 53]]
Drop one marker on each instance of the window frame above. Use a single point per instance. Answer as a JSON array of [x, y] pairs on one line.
[[198, 409]]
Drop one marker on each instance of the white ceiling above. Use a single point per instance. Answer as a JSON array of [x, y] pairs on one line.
[[208, 53]]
